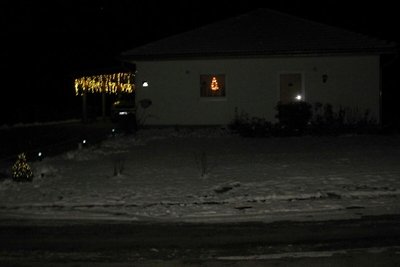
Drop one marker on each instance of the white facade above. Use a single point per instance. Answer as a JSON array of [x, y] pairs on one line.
[[253, 85]]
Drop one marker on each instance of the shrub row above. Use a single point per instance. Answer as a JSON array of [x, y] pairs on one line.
[[299, 118]]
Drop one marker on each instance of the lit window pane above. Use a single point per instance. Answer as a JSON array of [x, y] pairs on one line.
[[212, 85]]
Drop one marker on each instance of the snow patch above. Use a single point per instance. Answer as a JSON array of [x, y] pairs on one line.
[[154, 175]]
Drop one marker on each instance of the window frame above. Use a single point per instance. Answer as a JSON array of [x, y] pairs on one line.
[[205, 80]]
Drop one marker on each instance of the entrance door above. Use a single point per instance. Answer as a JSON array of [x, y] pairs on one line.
[[291, 88]]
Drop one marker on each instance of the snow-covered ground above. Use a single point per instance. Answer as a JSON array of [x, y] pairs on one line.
[[209, 175]]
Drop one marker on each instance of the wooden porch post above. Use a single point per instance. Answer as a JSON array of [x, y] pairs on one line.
[[103, 105], [84, 108]]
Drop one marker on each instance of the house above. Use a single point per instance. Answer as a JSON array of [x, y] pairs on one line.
[[250, 62]]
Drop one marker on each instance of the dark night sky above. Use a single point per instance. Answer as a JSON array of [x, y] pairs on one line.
[[47, 43]]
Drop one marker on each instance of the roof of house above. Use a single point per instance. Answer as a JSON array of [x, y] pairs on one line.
[[262, 32]]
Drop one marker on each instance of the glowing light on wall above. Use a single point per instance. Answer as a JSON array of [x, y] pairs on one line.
[[299, 97], [214, 84], [107, 83]]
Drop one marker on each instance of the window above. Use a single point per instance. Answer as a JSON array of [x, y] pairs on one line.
[[212, 85], [291, 88]]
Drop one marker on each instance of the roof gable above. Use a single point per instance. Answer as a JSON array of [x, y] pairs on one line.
[[257, 33]]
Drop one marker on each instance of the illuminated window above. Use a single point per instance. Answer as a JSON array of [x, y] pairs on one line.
[[212, 85]]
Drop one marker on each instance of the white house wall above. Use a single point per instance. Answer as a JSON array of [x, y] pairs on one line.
[[252, 86]]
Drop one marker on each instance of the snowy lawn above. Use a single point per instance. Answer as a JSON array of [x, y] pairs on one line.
[[209, 175]]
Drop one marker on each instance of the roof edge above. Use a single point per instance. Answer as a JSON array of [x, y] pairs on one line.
[[222, 55]]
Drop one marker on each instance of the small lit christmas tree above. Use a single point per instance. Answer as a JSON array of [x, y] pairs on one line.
[[21, 171], [214, 84]]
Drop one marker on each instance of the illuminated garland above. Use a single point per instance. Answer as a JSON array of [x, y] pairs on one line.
[[108, 83], [21, 171]]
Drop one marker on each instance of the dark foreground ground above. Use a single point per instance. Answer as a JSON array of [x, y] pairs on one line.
[[369, 241]]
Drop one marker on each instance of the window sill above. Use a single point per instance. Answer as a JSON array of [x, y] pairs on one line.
[[213, 99]]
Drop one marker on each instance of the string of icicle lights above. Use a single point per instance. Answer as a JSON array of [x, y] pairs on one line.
[[108, 83]]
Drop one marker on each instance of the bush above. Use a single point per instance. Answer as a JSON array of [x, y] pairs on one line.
[[128, 123], [250, 127], [326, 121], [293, 117], [298, 118], [342, 121]]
